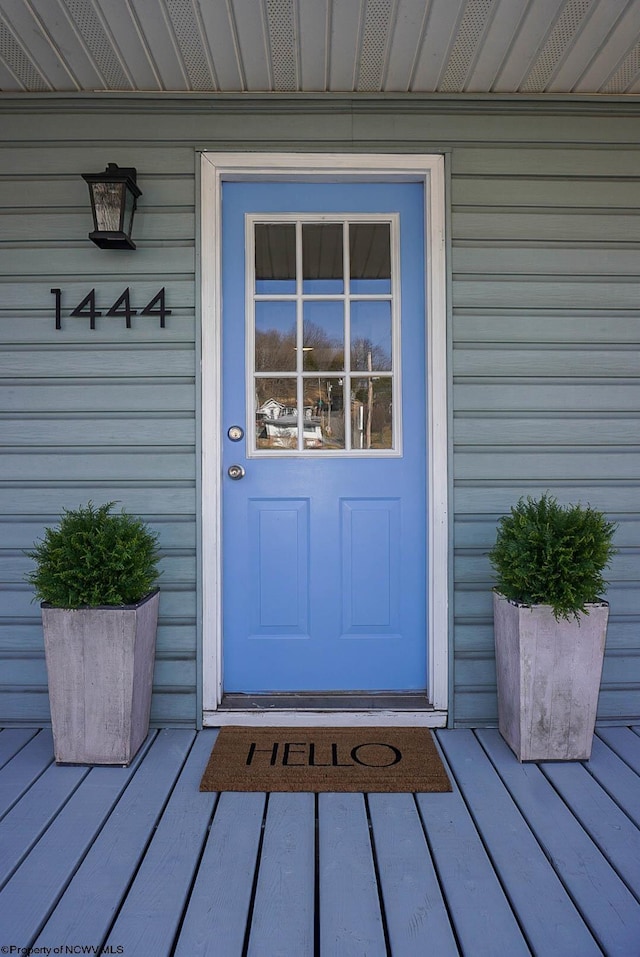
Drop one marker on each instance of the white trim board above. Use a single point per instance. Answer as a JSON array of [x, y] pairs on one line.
[[217, 168], [329, 719]]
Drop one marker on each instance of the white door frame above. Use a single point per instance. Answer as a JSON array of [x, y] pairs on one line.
[[217, 168]]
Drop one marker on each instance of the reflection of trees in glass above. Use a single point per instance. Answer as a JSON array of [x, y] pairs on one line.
[[275, 351], [281, 390], [323, 401], [322, 351], [372, 413], [366, 356]]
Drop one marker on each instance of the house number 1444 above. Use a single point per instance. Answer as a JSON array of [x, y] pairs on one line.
[[121, 308]]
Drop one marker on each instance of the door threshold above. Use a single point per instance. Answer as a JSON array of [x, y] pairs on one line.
[[326, 702], [334, 710]]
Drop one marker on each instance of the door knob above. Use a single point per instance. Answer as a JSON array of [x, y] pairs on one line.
[[235, 472]]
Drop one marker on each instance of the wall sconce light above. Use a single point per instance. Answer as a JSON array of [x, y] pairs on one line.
[[113, 202]]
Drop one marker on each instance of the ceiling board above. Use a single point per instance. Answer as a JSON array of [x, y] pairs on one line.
[[439, 37], [345, 39], [367, 46], [161, 43], [25, 30], [406, 43], [600, 23], [610, 57], [254, 45], [499, 35], [222, 40], [83, 43], [125, 29], [533, 30], [314, 25], [193, 50]]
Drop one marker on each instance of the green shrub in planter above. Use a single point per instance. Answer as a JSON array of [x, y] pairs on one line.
[[549, 554], [95, 557]]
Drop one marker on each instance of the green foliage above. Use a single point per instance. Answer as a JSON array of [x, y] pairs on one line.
[[94, 557], [547, 554]]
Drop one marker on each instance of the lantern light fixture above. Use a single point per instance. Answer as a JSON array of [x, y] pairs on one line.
[[113, 194]]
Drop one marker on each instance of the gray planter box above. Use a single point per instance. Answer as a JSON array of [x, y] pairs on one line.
[[100, 668], [548, 675]]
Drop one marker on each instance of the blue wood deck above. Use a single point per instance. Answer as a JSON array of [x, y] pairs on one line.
[[517, 860]]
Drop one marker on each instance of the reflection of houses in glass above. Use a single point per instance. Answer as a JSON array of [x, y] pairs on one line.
[[273, 409], [277, 426]]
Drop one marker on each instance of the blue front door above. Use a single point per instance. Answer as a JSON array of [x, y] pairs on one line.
[[324, 437]]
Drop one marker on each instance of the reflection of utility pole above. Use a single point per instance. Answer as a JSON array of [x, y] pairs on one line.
[[329, 388], [369, 399]]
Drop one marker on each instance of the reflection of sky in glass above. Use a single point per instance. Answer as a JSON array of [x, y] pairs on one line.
[[322, 287], [275, 287], [276, 317], [371, 333], [370, 287]]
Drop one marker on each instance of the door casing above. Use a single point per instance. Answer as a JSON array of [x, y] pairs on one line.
[[215, 169]]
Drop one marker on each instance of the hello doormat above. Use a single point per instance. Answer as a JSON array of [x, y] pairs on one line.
[[325, 759]]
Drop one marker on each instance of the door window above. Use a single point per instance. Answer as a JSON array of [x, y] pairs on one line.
[[324, 336]]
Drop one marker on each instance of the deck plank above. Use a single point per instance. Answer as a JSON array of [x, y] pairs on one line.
[[350, 915], [216, 918], [28, 898], [417, 918], [479, 908], [625, 743], [606, 904], [28, 764], [92, 898], [138, 858], [27, 820], [152, 912], [608, 826], [283, 914], [545, 911], [13, 740], [617, 778]]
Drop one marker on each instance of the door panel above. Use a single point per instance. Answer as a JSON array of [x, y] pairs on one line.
[[280, 528], [370, 562], [324, 538]]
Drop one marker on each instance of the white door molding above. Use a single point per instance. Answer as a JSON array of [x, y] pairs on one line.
[[217, 168]]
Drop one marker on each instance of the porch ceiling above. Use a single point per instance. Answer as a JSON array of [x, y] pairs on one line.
[[360, 46]]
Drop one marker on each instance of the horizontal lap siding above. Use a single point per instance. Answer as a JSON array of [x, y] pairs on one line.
[[544, 211], [106, 414], [546, 373]]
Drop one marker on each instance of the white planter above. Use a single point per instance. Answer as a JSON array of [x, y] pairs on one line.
[[548, 675], [100, 668]]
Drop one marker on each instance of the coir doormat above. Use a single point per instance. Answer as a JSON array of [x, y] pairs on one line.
[[325, 759]]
